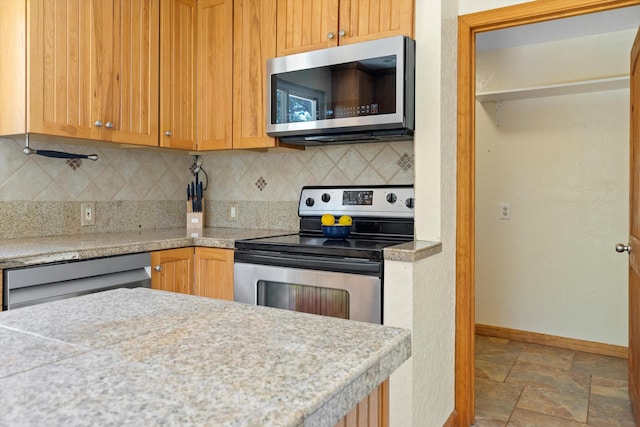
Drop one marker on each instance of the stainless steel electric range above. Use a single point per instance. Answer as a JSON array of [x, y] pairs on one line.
[[335, 277]]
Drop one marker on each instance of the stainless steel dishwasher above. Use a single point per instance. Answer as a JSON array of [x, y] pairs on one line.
[[26, 286]]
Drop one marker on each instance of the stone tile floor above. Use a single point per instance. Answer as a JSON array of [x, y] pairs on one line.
[[522, 384]]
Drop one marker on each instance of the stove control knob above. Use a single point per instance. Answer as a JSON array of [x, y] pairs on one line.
[[391, 198], [326, 197], [309, 202], [409, 202]]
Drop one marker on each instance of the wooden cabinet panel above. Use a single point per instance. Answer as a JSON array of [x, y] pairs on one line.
[[59, 68], [178, 74], [93, 60], [254, 42], [372, 411], [215, 74], [13, 77], [214, 273], [129, 53], [305, 25], [172, 270], [364, 20]]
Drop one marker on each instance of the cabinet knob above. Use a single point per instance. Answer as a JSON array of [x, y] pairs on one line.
[[342, 33], [330, 35], [98, 124], [168, 133], [109, 125], [158, 268]]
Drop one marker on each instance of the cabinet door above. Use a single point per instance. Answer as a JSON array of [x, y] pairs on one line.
[[177, 74], [363, 20], [127, 62], [172, 270], [59, 64], [214, 273], [305, 25], [254, 27], [215, 74]]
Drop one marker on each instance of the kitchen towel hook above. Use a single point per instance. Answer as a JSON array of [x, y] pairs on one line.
[[55, 154]]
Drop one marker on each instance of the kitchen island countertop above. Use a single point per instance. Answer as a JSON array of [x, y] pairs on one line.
[[147, 357]]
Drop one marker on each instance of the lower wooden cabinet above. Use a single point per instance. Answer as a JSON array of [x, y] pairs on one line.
[[172, 270], [214, 273], [206, 272], [372, 411]]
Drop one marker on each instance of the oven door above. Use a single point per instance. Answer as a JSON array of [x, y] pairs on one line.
[[344, 295]]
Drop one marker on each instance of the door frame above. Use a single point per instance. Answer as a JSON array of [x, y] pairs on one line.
[[468, 26]]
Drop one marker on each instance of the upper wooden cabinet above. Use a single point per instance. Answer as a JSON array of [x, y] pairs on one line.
[[215, 74], [92, 68], [178, 74], [305, 25], [235, 38]]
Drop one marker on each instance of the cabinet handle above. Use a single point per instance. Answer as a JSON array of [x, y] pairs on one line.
[[98, 124], [109, 125], [330, 35], [168, 133], [158, 268], [342, 33]]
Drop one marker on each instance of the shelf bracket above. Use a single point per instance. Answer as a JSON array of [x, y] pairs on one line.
[[498, 112]]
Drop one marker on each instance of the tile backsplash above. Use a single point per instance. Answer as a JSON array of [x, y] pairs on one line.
[[145, 189]]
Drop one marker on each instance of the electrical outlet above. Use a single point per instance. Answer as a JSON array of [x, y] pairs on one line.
[[233, 212], [505, 211], [87, 214]]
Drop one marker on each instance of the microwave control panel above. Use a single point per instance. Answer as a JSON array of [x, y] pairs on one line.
[[379, 201]]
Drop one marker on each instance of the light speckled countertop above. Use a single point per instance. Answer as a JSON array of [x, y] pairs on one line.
[[145, 357], [41, 250]]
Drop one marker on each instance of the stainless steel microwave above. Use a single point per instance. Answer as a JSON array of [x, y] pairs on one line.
[[361, 92]]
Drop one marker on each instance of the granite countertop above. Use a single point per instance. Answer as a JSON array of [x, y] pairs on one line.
[[147, 357], [40, 250]]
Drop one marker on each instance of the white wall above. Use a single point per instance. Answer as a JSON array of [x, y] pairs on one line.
[[562, 164], [421, 296]]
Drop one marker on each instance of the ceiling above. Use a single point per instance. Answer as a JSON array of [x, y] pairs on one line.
[[577, 26]]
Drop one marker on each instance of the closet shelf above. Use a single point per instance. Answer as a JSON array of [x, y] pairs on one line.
[[611, 83]]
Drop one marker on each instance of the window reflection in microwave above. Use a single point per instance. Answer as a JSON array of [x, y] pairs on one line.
[[358, 88]]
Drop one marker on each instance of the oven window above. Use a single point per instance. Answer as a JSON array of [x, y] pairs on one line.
[[303, 298]]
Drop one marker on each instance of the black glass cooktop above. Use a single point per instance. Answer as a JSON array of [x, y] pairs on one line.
[[319, 245]]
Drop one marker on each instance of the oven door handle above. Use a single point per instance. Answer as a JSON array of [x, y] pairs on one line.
[[351, 265]]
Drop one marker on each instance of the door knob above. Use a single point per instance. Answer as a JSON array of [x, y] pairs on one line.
[[621, 247], [109, 125], [168, 133], [342, 33], [330, 35], [98, 124], [158, 268]]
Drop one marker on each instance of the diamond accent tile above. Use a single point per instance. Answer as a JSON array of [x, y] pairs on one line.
[[261, 183], [74, 163], [405, 162]]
